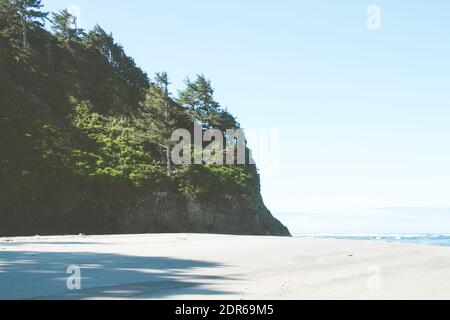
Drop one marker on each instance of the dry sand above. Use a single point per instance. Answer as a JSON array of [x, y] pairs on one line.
[[182, 266]]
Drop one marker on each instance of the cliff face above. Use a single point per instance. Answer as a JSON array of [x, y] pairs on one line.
[[163, 212], [160, 212]]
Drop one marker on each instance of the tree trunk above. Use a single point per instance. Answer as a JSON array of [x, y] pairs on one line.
[[24, 39], [169, 162]]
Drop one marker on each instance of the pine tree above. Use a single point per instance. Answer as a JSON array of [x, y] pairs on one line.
[[162, 82], [10, 24], [198, 98], [100, 40], [64, 25], [30, 14], [158, 116]]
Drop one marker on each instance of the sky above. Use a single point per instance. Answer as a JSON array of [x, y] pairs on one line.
[[362, 115]]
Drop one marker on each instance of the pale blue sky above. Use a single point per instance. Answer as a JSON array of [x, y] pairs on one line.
[[363, 115]]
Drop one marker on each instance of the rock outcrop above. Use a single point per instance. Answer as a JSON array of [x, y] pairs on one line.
[[163, 212], [159, 212]]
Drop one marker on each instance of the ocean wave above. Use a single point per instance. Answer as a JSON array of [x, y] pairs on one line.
[[441, 239]]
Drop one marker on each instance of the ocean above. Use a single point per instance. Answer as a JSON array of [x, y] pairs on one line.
[[428, 239]]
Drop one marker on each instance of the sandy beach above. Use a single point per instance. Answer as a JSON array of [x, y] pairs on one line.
[[182, 266]]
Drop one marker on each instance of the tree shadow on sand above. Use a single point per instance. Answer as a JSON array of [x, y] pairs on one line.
[[10, 243], [43, 275]]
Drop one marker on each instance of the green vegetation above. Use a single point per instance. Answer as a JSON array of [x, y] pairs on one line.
[[84, 130]]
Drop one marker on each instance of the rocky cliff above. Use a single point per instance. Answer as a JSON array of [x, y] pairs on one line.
[[163, 212], [158, 212]]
